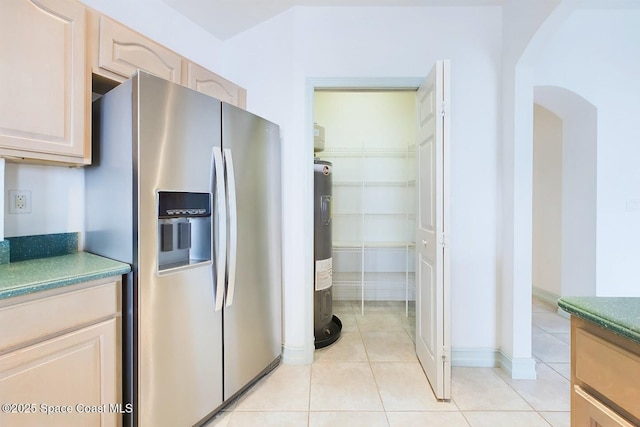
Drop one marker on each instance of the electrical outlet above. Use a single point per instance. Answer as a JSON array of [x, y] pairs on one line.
[[19, 201]]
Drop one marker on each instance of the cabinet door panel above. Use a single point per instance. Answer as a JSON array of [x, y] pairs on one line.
[[209, 83], [121, 51], [76, 371], [43, 78]]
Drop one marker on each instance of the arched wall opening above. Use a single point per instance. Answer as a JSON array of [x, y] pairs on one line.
[[564, 194]]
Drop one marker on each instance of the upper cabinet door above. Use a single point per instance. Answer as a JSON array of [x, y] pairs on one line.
[[209, 83], [120, 51], [44, 96]]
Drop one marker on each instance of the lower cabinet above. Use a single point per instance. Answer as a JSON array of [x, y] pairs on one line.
[[605, 377], [68, 377]]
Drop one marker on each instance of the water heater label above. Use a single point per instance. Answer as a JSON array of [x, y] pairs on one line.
[[324, 272]]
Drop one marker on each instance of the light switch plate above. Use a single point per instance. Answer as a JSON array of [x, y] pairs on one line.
[[633, 205]]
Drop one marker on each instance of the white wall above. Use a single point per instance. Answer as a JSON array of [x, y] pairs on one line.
[[308, 43], [547, 201], [57, 199], [596, 55], [527, 26], [366, 120]]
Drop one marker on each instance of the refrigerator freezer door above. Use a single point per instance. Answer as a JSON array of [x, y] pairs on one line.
[[179, 332], [252, 323]]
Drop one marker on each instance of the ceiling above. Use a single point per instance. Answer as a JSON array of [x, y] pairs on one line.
[[226, 18]]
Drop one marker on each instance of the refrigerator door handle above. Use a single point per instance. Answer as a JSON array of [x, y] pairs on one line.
[[233, 225], [218, 188]]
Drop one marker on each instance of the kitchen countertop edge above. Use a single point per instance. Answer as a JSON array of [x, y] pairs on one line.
[[36, 275], [611, 313]]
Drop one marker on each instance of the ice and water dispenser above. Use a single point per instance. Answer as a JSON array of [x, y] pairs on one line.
[[184, 229]]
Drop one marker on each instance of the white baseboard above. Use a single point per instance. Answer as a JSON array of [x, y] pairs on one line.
[[524, 368], [521, 368], [474, 357], [518, 369], [297, 355], [549, 298], [545, 296]]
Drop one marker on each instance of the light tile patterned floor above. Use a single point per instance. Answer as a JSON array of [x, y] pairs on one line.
[[370, 377]]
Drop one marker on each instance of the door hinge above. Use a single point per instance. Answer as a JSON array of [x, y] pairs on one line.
[[446, 353], [444, 109], [443, 240]]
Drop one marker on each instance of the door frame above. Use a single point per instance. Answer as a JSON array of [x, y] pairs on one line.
[[336, 83]]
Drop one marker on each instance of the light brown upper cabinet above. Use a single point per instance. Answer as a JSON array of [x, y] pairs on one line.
[[209, 83], [44, 81], [48, 50], [118, 51]]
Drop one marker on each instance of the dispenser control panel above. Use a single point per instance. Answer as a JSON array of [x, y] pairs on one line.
[[184, 229]]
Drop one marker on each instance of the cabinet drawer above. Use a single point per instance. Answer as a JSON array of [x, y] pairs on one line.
[[609, 369], [588, 411], [27, 321]]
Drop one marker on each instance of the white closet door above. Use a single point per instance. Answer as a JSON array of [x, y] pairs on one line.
[[432, 268]]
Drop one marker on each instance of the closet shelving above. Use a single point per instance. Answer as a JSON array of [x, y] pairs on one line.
[[373, 221]]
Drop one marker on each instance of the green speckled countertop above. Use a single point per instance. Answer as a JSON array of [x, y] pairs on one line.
[[24, 277], [620, 315]]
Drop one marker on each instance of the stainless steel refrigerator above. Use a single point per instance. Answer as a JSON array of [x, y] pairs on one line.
[[186, 189]]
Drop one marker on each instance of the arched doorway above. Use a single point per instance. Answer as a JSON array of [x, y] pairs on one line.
[[564, 194]]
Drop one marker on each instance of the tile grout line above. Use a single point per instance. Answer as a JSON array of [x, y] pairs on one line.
[[404, 332], [534, 410]]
